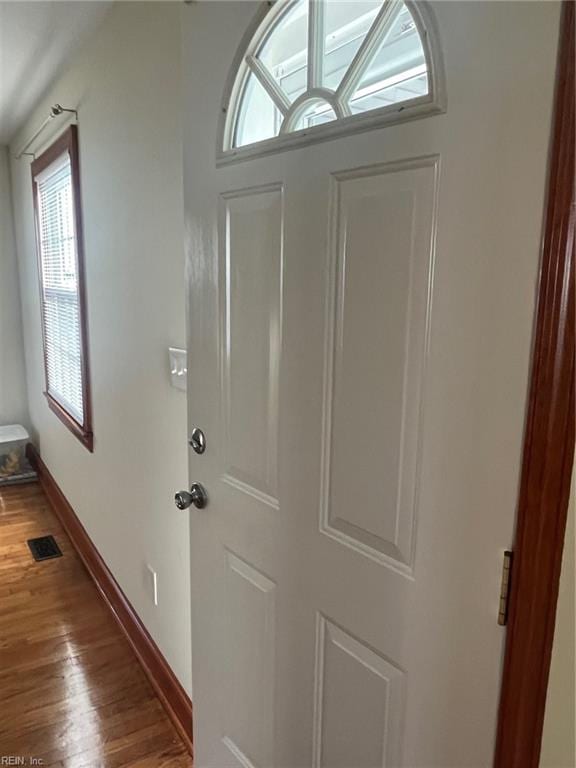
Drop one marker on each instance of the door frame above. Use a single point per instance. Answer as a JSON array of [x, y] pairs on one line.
[[548, 450]]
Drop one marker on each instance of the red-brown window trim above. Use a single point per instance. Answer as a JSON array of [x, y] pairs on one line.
[[67, 143]]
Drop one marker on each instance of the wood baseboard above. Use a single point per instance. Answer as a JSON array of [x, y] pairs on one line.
[[168, 689]]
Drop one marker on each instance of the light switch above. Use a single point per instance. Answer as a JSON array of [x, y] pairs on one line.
[[178, 369]]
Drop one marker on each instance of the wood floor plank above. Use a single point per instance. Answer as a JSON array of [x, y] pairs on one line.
[[72, 693]]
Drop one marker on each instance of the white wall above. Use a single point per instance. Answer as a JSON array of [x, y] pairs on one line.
[[126, 84], [558, 741], [13, 405]]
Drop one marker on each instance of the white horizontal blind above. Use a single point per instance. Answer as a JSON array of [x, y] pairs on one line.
[[60, 290]]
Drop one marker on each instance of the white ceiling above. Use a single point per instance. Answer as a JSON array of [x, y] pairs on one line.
[[36, 40]]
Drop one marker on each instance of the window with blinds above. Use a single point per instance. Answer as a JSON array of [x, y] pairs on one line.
[[56, 191]]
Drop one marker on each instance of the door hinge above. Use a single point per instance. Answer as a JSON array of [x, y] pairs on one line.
[[505, 588]]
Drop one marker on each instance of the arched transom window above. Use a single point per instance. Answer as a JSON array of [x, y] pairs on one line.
[[317, 67]]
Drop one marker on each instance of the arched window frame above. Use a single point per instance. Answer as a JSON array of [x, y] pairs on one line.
[[268, 15]]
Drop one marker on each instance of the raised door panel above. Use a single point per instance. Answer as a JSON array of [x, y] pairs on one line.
[[380, 281], [251, 225], [250, 660], [359, 705]]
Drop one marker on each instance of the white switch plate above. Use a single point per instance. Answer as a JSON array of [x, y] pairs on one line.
[[178, 370]]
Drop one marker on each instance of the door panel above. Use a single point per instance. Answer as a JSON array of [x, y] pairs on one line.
[[360, 315], [251, 237], [358, 714], [383, 249], [250, 606]]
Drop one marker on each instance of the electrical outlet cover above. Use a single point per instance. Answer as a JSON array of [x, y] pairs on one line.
[[152, 584]]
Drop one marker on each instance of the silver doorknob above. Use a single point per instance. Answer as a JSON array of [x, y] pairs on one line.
[[196, 496]]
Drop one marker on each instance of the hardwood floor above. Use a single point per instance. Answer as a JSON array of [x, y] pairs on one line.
[[72, 693]]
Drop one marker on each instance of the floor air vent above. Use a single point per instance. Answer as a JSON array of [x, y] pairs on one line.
[[44, 548]]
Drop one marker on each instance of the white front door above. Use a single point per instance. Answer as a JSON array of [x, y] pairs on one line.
[[360, 314]]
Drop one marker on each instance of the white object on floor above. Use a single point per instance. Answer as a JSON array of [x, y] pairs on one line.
[[13, 433], [13, 439]]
